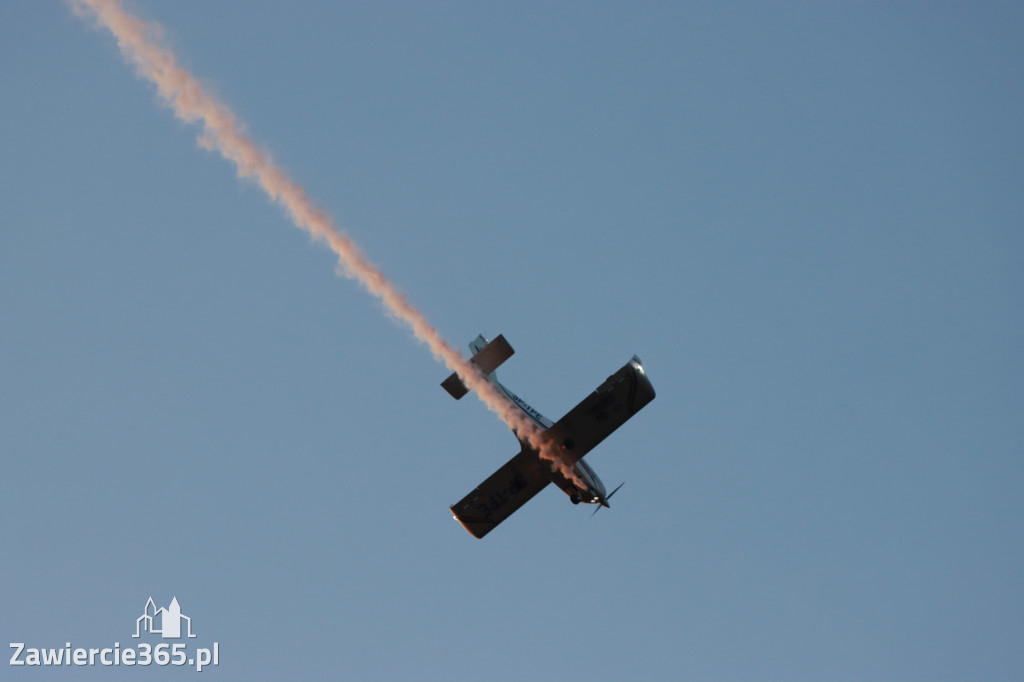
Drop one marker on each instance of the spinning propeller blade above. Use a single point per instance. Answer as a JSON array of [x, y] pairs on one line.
[[604, 502]]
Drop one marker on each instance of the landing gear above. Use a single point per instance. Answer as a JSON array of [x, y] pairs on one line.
[[574, 498]]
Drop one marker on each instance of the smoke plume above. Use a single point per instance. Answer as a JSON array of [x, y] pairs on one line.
[[224, 133]]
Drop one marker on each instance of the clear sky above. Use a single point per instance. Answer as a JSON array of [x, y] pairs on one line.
[[805, 218]]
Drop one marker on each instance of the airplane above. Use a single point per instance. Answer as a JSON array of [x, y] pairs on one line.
[[621, 396]]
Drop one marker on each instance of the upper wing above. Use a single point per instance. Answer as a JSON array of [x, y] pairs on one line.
[[504, 491], [606, 409]]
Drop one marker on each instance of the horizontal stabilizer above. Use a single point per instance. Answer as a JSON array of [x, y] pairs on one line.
[[454, 386], [487, 360]]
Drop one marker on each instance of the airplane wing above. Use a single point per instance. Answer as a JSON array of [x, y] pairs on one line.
[[600, 413], [621, 396], [504, 491]]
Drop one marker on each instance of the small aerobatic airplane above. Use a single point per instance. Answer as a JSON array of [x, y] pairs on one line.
[[574, 435]]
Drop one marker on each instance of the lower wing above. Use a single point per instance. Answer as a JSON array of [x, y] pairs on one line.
[[504, 491]]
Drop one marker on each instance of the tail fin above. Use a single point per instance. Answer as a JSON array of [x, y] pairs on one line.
[[486, 356], [478, 344]]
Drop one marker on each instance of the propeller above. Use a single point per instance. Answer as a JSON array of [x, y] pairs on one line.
[[614, 491], [604, 502]]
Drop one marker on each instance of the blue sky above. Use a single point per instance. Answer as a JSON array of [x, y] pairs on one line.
[[805, 219]]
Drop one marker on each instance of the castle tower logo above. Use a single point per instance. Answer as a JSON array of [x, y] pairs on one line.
[[168, 620]]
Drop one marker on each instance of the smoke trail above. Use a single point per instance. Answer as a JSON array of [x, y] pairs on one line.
[[224, 133]]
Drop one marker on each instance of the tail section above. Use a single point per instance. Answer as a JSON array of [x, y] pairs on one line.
[[479, 343], [486, 356]]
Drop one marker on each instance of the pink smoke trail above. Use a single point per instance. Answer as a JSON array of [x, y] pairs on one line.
[[224, 133]]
